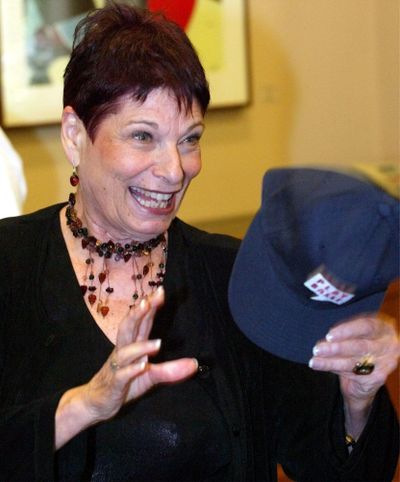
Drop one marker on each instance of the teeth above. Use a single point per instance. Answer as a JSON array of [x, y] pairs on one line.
[[152, 204], [150, 199]]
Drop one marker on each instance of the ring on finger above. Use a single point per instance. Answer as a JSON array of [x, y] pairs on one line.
[[364, 366], [114, 366]]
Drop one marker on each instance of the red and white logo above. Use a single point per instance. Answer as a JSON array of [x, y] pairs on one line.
[[325, 290]]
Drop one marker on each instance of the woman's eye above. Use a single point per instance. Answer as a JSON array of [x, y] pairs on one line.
[[142, 136], [193, 139]]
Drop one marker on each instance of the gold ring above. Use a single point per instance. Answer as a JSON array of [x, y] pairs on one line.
[[364, 367], [114, 365]]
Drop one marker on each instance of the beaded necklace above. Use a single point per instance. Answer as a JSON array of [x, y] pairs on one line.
[[106, 250]]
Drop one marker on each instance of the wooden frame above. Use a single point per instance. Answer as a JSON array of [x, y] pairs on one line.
[[31, 83]]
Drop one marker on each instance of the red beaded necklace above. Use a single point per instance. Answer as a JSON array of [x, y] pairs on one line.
[[117, 251]]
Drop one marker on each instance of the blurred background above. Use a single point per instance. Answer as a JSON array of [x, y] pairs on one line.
[[323, 89]]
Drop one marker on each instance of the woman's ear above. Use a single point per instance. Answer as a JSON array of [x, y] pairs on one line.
[[73, 135]]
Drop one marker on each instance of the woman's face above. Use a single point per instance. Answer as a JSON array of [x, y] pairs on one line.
[[134, 175]]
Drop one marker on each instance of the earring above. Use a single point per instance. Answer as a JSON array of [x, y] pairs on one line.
[[74, 179]]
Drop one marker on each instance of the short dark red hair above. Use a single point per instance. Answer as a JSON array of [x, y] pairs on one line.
[[122, 50]]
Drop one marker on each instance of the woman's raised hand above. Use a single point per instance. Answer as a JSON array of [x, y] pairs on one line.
[[363, 352], [126, 375]]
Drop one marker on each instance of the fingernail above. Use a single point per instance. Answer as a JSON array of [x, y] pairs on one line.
[[329, 337], [196, 362], [142, 365], [143, 304], [159, 292], [156, 344], [311, 363], [316, 350]]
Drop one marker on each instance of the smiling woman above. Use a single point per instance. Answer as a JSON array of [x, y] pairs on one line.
[[109, 300], [133, 177], [145, 156]]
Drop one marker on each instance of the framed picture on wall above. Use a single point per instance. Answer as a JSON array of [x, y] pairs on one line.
[[36, 39]]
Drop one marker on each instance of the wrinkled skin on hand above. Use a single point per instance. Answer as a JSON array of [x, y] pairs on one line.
[[111, 388], [350, 342], [368, 336]]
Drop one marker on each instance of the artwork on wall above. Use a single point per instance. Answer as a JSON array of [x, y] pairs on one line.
[[36, 38]]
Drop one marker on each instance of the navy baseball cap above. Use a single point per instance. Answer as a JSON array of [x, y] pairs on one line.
[[323, 247]]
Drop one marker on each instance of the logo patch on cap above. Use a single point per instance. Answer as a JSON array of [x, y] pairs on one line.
[[325, 290]]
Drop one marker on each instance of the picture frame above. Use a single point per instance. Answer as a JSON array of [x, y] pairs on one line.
[[32, 65]]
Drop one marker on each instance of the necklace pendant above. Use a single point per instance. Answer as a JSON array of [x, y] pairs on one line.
[[104, 311], [92, 299], [106, 250]]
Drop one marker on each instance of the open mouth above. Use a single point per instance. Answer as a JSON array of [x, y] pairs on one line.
[[151, 199]]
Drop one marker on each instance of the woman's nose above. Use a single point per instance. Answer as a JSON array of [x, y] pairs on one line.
[[169, 166]]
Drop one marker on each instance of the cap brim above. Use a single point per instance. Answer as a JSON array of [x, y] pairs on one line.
[[274, 316]]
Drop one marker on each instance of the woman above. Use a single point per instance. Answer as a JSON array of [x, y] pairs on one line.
[[87, 390]]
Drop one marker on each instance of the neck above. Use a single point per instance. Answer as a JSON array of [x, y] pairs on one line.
[[107, 248], [144, 277], [92, 217]]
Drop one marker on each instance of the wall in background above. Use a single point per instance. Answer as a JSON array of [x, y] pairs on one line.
[[324, 89]]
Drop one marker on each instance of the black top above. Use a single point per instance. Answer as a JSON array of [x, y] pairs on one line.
[[242, 413], [172, 433]]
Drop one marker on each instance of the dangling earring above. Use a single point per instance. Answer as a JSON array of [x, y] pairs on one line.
[[74, 179]]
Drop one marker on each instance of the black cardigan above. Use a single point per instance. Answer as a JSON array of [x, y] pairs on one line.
[[277, 411]]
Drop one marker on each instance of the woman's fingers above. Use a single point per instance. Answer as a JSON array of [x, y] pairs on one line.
[[127, 374], [127, 329], [362, 351], [137, 324], [368, 326], [167, 372], [108, 390], [173, 371], [359, 338], [354, 349], [133, 353], [155, 300]]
